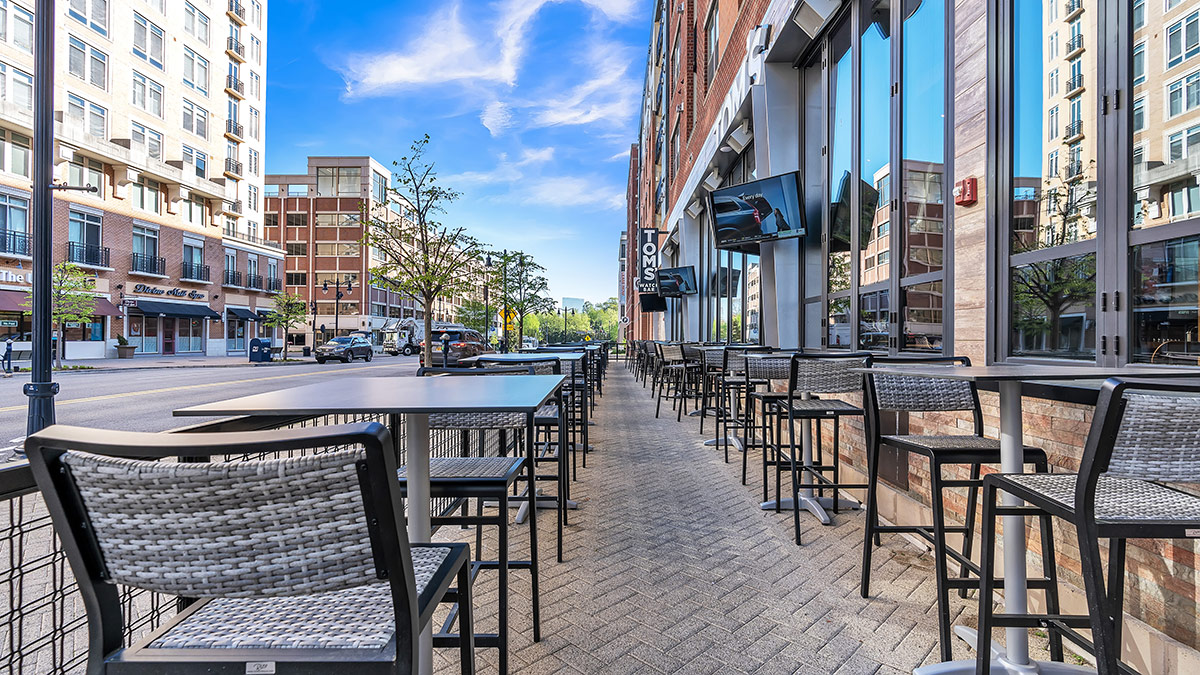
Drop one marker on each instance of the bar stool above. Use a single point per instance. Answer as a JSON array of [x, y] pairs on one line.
[[890, 393], [1143, 436]]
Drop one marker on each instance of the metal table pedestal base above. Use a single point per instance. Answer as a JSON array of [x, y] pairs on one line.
[[1000, 663], [818, 506]]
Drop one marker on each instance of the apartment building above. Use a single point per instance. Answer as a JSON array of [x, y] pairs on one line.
[[316, 217], [160, 107], [999, 179]]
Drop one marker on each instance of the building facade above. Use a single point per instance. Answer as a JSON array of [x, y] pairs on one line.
[[160, 111], [317, 217], [1045, 206]]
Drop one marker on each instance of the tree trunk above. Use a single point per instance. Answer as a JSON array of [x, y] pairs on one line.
[[427, 350], [60, 347]]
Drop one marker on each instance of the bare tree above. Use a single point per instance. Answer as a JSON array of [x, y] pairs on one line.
[[418, 255]]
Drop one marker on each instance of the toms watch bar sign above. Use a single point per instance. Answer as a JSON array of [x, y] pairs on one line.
[[647, 279]]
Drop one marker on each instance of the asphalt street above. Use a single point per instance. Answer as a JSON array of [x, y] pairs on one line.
[[142, 400]]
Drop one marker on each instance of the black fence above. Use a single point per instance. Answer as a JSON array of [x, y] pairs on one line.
[[43, 627]]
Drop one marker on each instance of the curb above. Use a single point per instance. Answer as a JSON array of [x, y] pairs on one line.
[[102, 369]]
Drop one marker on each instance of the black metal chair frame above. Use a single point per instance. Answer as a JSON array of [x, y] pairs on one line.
[[1105, 598], [384, 514], [935, 533]]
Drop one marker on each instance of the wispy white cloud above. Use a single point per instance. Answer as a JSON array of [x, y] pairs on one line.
[[497, 117], [506, 170], [624, 154], [561, 191], [609, 95]]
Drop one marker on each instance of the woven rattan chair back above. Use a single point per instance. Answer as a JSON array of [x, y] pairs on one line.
[[735, 361], [768, 367], [713, 358], [923, 394], [671, 353], [693, 353], [821, 374], [1158, 438], [478, 420]]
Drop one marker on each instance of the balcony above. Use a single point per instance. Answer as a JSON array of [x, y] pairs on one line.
[[194, 272], [233, 131], [1074, 46], [1075, 86], [236, 12], [254, 281], [232, 278], [233, 169], [234, 87], [234, 207], [87, 254], [235, 50], [1073, 132], [1074, 170], [141, 263], [14, 243], [1072, 9], [274, 285]]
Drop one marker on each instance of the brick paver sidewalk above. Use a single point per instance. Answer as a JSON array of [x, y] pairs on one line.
[[670, 567]]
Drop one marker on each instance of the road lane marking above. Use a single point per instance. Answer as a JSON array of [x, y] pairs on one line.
[[126, 394]]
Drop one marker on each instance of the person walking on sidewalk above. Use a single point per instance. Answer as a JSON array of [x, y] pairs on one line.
[[7, 360]]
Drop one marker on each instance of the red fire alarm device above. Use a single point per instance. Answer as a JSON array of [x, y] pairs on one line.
[[966, 191]]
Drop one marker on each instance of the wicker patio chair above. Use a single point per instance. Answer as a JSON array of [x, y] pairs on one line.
[[1144, 437], [902, 394], [302, 563]]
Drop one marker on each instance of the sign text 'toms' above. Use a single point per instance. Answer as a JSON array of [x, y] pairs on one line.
[[647, 279]]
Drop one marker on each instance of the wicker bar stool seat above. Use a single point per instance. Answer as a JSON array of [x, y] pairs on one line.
[[302, 562], [1144, 438]]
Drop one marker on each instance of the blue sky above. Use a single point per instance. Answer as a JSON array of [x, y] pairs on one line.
[[531, 106]]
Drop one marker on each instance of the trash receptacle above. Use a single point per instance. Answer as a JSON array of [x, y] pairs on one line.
[[307, 351], [259, 353]]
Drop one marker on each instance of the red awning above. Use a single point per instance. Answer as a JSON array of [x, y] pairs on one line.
[[105, 308], [13, 301]]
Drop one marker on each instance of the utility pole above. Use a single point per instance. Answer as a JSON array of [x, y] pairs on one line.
[[41, 389]]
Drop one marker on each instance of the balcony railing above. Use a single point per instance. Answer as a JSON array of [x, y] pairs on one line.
[[233, 128], [274, 284], [1074, 170], [1075, 43], [194, 271], [236, 11], [1074, 129], [232, 166], [254, 281], [232, 233], [232, 278], [235, 85], [87, 254], [1073, 6], [14, 243], [234, 207], [234, 47], [148, 264], [1075, 83]]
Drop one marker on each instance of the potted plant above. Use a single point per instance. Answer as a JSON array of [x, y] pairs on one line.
[[124, 349]]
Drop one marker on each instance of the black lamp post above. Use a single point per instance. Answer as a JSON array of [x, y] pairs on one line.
[[312, 306], [504, 290], [487, 314], [337, 304]]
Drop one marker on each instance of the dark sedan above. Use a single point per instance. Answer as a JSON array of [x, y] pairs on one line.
[[346, 348]]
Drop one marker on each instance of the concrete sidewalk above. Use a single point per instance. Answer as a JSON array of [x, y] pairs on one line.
[[156, 361]]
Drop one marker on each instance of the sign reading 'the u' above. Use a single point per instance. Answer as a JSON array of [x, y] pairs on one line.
[[647, 279]]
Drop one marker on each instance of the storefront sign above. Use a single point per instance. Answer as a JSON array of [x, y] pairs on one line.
[[146, 289], [647, 279], [9, 323], [12, 276]]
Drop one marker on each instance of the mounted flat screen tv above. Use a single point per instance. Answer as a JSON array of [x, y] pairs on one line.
[[674, 282], [651, 302], [761, 210]]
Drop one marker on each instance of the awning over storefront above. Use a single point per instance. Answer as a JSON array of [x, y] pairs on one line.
[[239, 313], [102, 307], [175, 309], [12, 301], [264, 314]]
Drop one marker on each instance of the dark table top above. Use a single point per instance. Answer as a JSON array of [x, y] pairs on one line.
[[421, 395], [1029, 372], [526, 356]]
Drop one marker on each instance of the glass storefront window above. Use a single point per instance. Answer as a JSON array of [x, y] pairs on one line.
[[875, 141], [88, 331], [923, 306], [235, 335], [873, 320], [15, 325], [1166, 290], [143, 333], [841, 193], [1053, 308]]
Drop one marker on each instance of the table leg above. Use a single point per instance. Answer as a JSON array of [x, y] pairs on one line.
[[417, 469], [809, 501]]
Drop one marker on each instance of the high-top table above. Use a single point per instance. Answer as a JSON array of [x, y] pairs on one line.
[[413, 399], [1009, 379]]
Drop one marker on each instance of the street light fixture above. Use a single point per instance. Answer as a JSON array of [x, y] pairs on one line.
[[337, 303]]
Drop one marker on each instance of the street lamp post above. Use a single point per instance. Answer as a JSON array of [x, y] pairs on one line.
[[312, 306], [487, 314], [337, 303], [504, 288]]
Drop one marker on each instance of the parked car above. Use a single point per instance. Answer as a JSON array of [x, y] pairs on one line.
[[464, 344], [347, 348], [529, 343], [736, 218]]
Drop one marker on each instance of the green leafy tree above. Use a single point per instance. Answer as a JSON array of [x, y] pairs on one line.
[[71, 301], [421, 257], [473, 314], [523, 288], [289, 312]]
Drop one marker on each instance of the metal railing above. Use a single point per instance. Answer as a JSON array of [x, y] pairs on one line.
[[147, 264], [232, 45], [233, 128], [234, 167], [254, 281], [87, 254], [1075, 43], [274, 284], [1074, 129], [1074, 169], [1075, 83], [234, 207], [234, 84], [45, 628], [1072, 6], [14, 243], [194, 271], [232, 278], [237, 10]]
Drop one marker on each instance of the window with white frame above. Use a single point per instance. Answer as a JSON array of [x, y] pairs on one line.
[[16, 86], [252, 197], [16, 152], [1139, 63], [1183, 39], [147, 94], [91, 13], [256, 50], [160, 5], [195, 71], [1139, 13], [1052, 45], [1052, 163], [84, 171], [255, 85], [256, 13], [195, 211], [92, 117], [146, 194], [22, 28], [149, 139], [1139, 114], [252, 161], [1052, 83], [149, 41], [197, 160], [195, 119], [1183, 95], [1184, 143], [195, 22], [86, 62], [254, 123], [1052, 124], [712, 33]]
